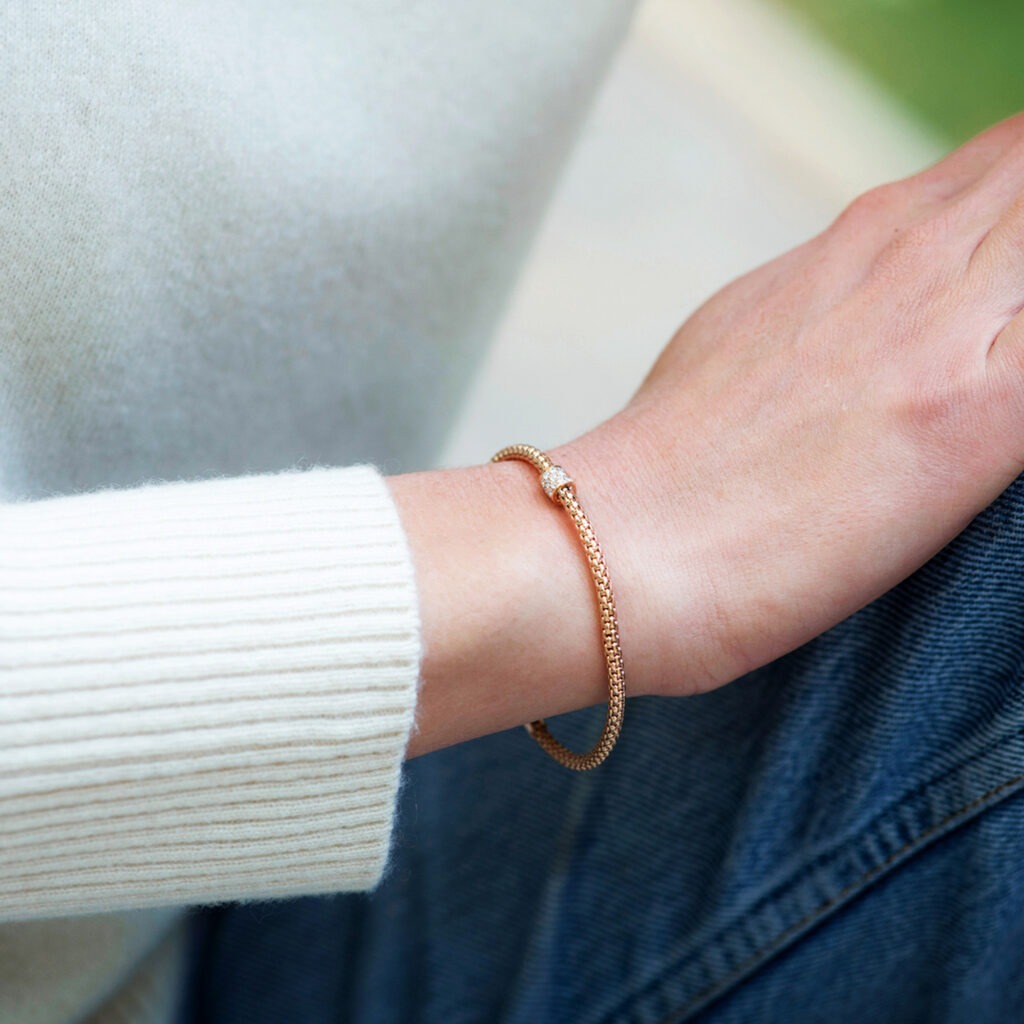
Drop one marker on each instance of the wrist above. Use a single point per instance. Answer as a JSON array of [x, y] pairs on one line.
[[506, 604], [662, 560]]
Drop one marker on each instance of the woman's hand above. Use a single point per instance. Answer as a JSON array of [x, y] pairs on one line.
[[810, 437], [819, 428]]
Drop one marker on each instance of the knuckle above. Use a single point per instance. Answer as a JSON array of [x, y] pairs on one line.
[[874, 206], [899, 212], [996, 258]]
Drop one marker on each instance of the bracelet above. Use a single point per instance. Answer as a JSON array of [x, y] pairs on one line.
[[559, 487]]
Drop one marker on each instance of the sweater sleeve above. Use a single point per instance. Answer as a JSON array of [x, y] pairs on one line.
[[206, 691]]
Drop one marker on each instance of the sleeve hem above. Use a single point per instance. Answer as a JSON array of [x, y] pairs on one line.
[[208, 690]]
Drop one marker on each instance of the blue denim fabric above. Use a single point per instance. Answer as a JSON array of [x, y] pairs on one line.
[[836, 837]]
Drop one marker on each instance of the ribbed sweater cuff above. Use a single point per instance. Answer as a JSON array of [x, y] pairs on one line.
[[206, 690]]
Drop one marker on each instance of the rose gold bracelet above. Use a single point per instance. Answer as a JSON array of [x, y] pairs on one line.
[[559, 487]]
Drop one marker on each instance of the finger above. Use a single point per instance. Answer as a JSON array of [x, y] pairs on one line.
[[1005, 366], [994, 205], [962, 168], [990, 196], [997, 263], [957, 192]]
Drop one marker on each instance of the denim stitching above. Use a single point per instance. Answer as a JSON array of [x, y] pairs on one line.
[[865, 880], [808, 868]]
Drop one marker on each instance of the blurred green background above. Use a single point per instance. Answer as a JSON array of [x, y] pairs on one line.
[[958, 64]]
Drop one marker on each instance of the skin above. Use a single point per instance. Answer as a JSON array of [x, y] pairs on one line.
[[811, 435]]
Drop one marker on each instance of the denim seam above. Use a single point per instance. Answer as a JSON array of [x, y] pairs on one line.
[[807, 869], [919, 790], [720, 987]]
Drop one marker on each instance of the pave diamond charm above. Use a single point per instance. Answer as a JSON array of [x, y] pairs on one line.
[[554, 479]]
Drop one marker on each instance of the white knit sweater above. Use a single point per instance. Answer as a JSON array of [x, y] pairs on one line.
[[243, 247]]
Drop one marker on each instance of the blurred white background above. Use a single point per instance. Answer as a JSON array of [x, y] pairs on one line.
[[724, 135]]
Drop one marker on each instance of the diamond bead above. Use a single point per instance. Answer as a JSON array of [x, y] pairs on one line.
[[554, 479]]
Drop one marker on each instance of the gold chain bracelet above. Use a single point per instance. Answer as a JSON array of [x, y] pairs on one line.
[[559, 487]]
